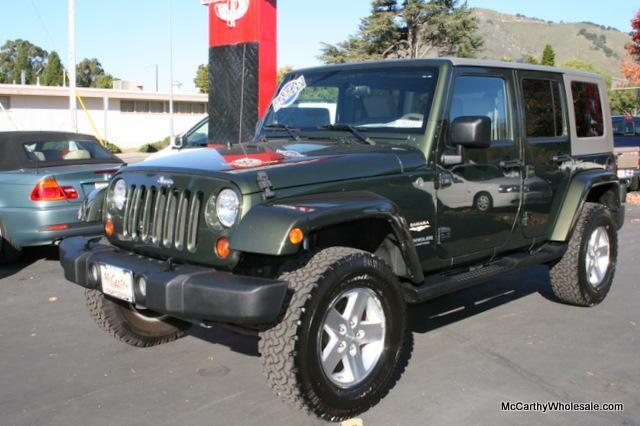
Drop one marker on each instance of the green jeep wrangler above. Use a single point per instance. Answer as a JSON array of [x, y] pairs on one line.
[[366, 187]]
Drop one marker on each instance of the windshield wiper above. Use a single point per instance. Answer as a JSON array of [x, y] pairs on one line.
[[349, 128], [293, 132]]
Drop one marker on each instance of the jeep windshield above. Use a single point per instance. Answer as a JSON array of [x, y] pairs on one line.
[[377, 99]]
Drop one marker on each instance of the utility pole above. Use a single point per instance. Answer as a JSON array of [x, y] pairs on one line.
[[171, 130], [73, 106], [156, 78]]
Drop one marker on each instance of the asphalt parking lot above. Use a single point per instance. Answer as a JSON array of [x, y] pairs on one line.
[[505, 341]]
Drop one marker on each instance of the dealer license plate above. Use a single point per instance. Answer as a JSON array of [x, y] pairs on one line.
[[117, 282]]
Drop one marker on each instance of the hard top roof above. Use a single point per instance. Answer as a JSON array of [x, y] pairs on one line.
[[456, 62]]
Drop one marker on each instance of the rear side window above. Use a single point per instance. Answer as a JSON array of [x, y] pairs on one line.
[[588, 109], [543, 108], [56, 151]]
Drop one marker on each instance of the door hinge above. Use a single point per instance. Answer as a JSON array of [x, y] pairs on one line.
[[265, 185]]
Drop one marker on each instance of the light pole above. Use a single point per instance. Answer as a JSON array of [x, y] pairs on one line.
[[73, 106], [171, 130]]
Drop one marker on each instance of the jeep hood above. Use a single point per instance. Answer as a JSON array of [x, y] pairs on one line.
[[287, 164]]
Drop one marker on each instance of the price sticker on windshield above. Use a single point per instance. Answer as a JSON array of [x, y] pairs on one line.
[[289, 93]]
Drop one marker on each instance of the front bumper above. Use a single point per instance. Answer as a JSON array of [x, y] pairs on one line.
[[183, 291]]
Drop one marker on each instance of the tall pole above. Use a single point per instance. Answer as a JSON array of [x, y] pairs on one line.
[[171, 130], [156, 78], [73, 106]]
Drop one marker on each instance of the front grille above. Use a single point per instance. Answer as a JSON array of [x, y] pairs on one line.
[[163, 217]]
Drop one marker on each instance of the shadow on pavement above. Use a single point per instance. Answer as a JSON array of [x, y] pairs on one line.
[[30, 256], [464, 304], [240, 343]]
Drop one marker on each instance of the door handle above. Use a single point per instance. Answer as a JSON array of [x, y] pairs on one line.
[[511, 164]]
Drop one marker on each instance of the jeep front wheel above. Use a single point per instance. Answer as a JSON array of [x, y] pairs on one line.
[[343, 340], [133, 326], [584, 275]]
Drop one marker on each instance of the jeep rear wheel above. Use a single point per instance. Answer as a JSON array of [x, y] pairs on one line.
[[343, 341], [584, 275], [131, 325]]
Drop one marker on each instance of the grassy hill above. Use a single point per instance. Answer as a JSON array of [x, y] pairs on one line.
[[517, 37]]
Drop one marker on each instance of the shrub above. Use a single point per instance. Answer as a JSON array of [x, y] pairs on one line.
[[114, 149], [155, 146]]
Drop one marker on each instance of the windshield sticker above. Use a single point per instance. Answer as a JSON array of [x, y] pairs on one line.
[[289, 93]]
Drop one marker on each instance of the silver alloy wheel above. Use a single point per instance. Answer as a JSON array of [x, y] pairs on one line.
[[352, 337], [483, 203], [598, 256]]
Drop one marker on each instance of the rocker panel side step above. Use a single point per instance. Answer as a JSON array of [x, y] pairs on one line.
[[440, 284]]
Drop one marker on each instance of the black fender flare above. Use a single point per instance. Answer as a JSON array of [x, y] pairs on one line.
[[265, 228]]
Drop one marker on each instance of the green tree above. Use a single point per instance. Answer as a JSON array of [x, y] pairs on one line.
[[282, 72], [578, 64], [202, 79], [104, 81], [624, 102], [548, 56], [23, 65], [531, 60], [52, 74], [419, 28], [88, 72], [9, 52]]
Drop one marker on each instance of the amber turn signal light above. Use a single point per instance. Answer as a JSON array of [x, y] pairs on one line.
[[109, 228], [296, 236], [222, 248]]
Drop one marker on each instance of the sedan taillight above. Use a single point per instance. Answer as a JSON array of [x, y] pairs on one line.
[[48, 189]]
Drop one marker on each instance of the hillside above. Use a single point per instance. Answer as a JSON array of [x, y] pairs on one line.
[[518, 36]]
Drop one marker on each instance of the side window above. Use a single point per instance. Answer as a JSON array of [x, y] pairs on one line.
[[199, 137], [483, 96], [543, 108], [587, 107]]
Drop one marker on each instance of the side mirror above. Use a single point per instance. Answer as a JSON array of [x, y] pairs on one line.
[[177, 142], [471, 132]]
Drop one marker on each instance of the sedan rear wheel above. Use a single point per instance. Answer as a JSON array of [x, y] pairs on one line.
[[9, 251]]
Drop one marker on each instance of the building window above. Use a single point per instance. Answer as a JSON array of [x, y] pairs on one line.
[[156, 107], [183, 107], [142, 106], [198, 108], [543, 108], [127, 106], [5, 102], [587, 107]]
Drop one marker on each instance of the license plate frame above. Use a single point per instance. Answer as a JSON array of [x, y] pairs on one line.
[[117, 282]]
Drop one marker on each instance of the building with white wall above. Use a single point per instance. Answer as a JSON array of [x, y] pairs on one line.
[[128, 118]]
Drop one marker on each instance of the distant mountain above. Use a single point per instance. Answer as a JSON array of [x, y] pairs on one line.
[[518, 36]]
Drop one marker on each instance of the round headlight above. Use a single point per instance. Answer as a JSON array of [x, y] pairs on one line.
[[227, 207], [119, 194]]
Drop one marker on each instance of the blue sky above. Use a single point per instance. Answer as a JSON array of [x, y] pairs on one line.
[[129, 37]]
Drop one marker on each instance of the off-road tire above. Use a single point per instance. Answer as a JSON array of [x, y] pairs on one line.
[[9, 251], [289, 364], [121, 321], [477, 198], [569, 280]]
